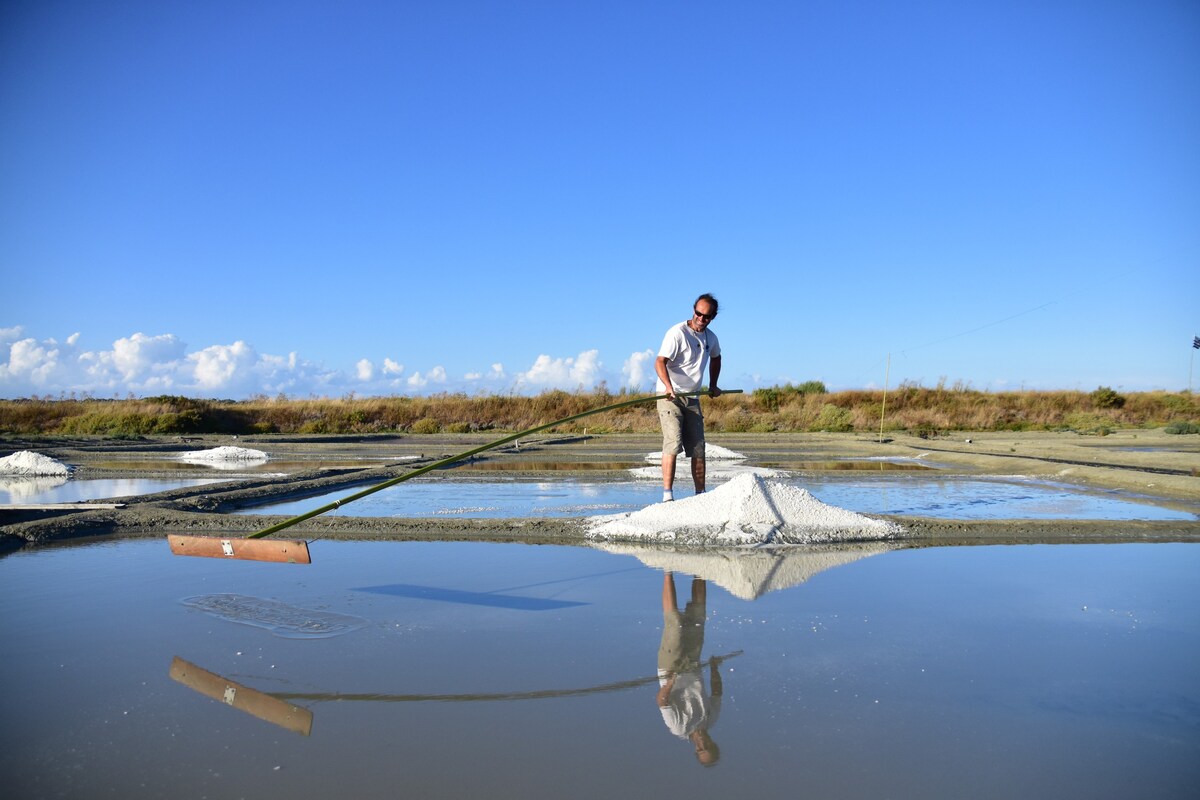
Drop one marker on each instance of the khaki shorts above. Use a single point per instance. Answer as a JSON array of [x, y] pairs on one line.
[[682, 639], [682, 427]]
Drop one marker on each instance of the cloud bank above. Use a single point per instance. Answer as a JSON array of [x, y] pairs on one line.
[[150, 364]]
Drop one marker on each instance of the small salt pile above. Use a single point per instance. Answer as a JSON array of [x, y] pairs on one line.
[[225, 453], [712, 452], [26, 462], [747, 510], [721, 463]]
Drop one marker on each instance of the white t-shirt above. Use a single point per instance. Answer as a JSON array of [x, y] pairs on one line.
[[688, 708], [687, 354]]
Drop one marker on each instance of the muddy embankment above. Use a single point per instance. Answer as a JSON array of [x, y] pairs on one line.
[[1147, 463]]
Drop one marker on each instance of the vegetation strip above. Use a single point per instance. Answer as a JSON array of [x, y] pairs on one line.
[[806, 407]]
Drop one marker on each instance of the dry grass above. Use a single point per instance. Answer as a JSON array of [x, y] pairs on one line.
[[910, 408]]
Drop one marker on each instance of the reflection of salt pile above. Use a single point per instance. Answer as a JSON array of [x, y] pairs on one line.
[[25, 487], [750, 573], [720, 463], [746, 510], [219, 455], [27, 463]]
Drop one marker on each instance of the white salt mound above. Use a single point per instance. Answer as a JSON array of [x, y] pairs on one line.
[[748, 510], [26, 462], [712, 452], [717, 470], [225, 453]]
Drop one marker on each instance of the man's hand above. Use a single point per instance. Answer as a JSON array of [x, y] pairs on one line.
[[714, 392]]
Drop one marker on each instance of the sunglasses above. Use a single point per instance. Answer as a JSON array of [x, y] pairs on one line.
[[705, 317]]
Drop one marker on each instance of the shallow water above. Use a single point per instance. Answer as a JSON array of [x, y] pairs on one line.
[[918, 495], [488, 670], [852, 465], [61, 490], [284, 466]]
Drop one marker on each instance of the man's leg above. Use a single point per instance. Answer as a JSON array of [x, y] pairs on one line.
[[693, 437], [671, 418]]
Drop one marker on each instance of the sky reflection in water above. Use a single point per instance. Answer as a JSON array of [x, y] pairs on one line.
[[917, 495], [934, 672]]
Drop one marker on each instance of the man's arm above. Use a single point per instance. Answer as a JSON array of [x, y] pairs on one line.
[[660, 367], [663, 695], [714, 372]]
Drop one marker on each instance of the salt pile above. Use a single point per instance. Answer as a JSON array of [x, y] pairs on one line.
[[712, 452], [750, 573], [721, 462], [224, 453], [26, 462], [225, 458], [748, 510]]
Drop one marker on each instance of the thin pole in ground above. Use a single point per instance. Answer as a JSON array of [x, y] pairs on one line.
[[886, 374]]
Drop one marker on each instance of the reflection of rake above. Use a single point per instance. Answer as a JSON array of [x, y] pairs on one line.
[[275, 708], [296, 551]]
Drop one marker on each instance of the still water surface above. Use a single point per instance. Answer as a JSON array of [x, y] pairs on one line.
[[917, 495], [493, 670]]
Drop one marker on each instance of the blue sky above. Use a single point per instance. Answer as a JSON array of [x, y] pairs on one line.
[[235, 198]]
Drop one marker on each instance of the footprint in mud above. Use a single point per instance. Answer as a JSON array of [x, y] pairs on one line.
[[281, 619]]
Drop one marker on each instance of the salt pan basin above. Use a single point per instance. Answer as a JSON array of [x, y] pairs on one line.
[[748, 510]]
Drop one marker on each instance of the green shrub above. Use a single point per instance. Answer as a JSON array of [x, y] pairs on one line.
[[1182, 427], [1089, 424], [1106, 397], [834, 419], [459, 427], [426, 425]]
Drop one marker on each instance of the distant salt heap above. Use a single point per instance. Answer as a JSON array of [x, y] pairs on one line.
[[748, 510], [28, 463], [721, 463], [225, 453], [712, 452]]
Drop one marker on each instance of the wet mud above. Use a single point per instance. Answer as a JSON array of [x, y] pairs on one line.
[[1147, 463]]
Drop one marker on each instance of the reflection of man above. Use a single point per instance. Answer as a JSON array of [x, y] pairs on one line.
[[686, 350], [686, 709]]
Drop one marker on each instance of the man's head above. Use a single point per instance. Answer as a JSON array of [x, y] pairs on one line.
[[704, 311], [707, 752]]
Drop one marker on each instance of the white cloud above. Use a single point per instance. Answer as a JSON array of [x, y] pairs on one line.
[[563, 373], [222, 367], [435, 375], [137, 354], [146, 364], [31, 361], [638, 370], [495, 374]]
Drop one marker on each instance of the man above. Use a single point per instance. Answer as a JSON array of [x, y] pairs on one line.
[[686, 350]]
